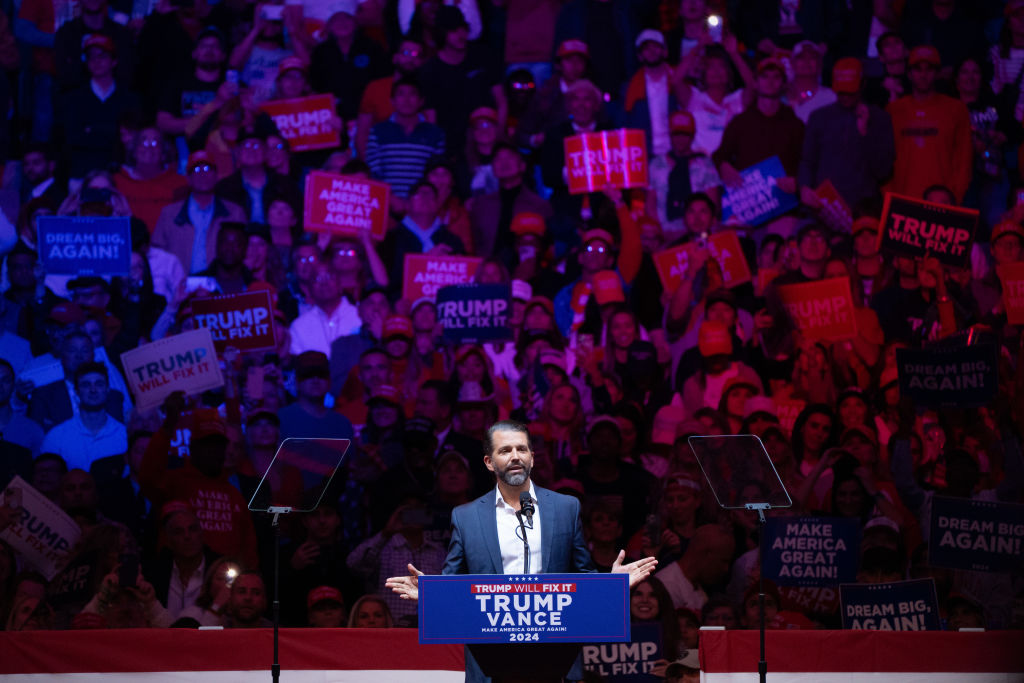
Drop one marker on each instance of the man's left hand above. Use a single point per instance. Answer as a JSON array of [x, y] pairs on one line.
[[638, 571]]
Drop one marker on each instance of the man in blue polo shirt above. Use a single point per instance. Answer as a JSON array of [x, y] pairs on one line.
[[92, 433]]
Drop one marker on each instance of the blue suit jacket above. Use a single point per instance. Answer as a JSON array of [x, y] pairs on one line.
[[474, 548]]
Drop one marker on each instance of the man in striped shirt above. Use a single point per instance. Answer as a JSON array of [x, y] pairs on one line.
[[400, 147]]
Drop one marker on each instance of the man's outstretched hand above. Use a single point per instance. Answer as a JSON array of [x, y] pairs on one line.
[[638, 571], [407, 587]]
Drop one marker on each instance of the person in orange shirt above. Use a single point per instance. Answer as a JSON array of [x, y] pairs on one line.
[[932, 131], [147, 180]]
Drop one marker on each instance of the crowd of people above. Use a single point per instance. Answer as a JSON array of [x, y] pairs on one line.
[[151, 110]]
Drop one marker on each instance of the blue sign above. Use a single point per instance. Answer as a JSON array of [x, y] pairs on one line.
[[85, 245], [937, 376], [976, 535], [474, 312], [524, 608], [896, 606], [759, 199], [630, 662], [811, 551]]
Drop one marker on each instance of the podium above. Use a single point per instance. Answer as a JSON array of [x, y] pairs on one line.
[[523, 627]]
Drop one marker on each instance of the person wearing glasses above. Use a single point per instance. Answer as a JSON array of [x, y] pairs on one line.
[[188, 228]]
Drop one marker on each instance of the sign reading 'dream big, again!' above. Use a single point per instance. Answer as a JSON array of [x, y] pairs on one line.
[[244, 320], [822, 309], [960, 376], [976, 535], [305, 122], [85, 245], [895, 606], [914, 227], [424, 274], [185, 362], [616, 158], [345, 204], [524, 608]]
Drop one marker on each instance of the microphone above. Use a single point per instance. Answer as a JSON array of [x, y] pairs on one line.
[[526, 507]]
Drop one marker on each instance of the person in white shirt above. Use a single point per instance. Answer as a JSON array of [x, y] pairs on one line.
[[705, 564], [333, 315], [92, 433], [714, 105]]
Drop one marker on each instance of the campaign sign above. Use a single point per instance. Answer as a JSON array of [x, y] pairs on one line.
[[475, 313], [184, 362], [630, 662], [674, 264], [914, 227], [244, 320], [424, 274], [833, 212], [1012, 277], [811, 551], [812, 600], [787, 410], [345, 204], [41, 533], [759, 199], [305, 122], [822, 309], [524, 608], [85, 245], [959, 376], [976, 535], [896, 606], [616, 158]]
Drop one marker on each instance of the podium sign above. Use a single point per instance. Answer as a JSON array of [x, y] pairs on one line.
[[524, 608]]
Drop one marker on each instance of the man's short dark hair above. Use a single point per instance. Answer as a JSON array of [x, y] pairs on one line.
[[89, 368], [508, 147], [420, 184], [406, 81], [237, 226], [443, 389], [5, 364], [43, 148], [701, 197], [504, 426]]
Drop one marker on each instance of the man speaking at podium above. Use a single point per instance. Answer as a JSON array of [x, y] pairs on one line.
[[486, 535]]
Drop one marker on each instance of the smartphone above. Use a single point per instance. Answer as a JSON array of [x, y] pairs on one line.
[[715, 27], [128, 571], [273, 12], [229, 576], [652, 528]]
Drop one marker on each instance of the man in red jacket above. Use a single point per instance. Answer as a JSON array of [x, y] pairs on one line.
[[221, 510]]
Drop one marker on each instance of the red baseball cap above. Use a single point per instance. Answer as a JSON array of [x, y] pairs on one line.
[[573, 47], [291, 63], [528, 223], [322, 594], [100, 40], [608, 287], [397, 326], [924, 53], [682, 122], [846, 75], [1004, 228]]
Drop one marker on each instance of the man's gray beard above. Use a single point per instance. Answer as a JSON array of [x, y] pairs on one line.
[[517, 478]]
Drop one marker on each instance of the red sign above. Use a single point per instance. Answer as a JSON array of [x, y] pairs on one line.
[[1012, 277], [787, 410], [822, 309], [244, 320], [616, 158], [764, 278], [834, 211], [424, 274], [673, 264], [306, 122], [346, 204]]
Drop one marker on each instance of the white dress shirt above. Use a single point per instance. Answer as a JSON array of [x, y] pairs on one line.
[[314, 330], [510, 542], [181, 596]]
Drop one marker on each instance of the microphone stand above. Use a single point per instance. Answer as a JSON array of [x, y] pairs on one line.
[[526, 543]]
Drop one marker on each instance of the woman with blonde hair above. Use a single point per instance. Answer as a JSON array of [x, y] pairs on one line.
[[370, 611]]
